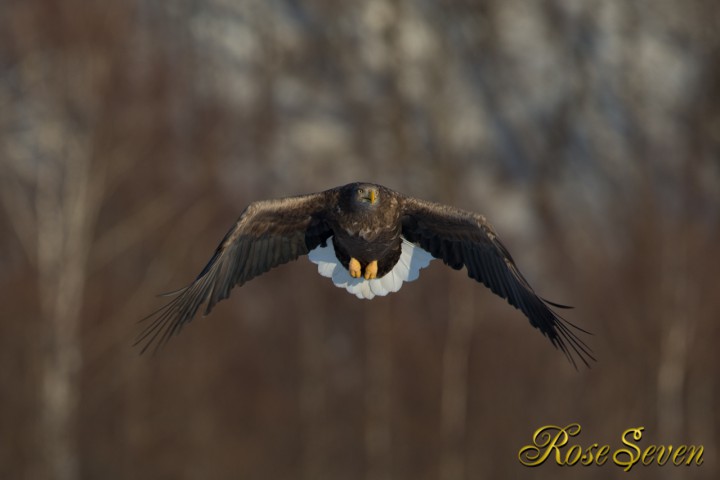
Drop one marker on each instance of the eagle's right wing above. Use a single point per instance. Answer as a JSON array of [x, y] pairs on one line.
[[267, 234]]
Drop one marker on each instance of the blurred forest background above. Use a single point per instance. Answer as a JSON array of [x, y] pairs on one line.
[[133, 133]]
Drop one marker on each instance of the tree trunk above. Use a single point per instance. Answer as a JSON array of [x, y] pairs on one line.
[[66, 207], [378, 398], [453, 403]]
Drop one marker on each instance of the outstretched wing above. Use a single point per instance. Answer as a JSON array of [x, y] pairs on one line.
[[461, 238], [267, 234]]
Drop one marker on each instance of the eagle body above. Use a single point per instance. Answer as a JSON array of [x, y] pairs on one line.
[[386, 251], [365, 232], [369, 240]]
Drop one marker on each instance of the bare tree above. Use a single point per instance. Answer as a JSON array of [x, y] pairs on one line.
[[53, 193]]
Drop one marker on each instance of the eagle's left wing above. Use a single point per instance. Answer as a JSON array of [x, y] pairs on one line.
[[267, 234], [461, 238]]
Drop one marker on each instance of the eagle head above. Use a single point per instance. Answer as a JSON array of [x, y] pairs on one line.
[[364, 195]]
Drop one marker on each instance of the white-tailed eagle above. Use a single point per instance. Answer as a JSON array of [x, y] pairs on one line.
[[369, 240]]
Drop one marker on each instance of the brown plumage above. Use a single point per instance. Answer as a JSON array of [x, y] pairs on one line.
[[365, 223]]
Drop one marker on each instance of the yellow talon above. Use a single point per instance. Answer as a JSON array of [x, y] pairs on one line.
[[354, 268], [371, 270]]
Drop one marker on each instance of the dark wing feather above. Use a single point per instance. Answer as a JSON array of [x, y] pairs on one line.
[[267, 234], [460, 238]]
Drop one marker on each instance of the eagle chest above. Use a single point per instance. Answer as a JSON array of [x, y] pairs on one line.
[[370, 226]]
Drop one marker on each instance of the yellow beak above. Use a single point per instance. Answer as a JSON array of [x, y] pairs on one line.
[[372, 196]]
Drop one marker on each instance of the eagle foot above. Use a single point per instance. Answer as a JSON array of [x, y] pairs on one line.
[[354, 268], [371, 270]]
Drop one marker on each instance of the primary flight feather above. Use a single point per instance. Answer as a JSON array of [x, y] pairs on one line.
[[369, 240]]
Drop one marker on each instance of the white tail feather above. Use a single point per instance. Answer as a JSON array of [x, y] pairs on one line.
[[407, 269]]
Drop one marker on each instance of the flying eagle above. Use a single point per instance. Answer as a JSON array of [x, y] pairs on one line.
[[369, 240]]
